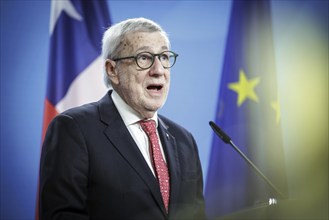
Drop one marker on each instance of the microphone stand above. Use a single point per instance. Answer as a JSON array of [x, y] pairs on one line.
[[226, 139]]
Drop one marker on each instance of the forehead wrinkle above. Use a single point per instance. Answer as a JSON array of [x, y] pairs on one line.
[[140, 42], [147, 48]]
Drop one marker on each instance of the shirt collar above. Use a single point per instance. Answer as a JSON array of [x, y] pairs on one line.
[[128, 114]]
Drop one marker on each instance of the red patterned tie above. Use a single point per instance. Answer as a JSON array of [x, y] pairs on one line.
[[161, 169]]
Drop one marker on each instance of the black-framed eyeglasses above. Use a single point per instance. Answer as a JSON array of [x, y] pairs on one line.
[[145, 60]]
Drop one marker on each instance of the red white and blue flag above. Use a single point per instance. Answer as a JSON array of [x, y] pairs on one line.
[[75, 64]]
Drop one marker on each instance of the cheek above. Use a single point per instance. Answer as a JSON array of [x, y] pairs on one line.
[[137, 81], [131, 82]]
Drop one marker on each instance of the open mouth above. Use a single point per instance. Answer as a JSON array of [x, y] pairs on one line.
[[155, 87]]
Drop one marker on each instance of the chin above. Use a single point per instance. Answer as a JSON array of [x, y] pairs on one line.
[[154, 107]]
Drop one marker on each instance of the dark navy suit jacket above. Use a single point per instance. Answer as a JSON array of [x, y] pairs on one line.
[[91, 168]]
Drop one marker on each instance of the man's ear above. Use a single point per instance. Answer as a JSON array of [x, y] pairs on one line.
[[111, 71]]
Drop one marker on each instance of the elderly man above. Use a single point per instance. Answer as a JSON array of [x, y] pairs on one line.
[[117, 158]]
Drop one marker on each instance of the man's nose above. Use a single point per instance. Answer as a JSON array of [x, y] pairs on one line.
[[157, 67]]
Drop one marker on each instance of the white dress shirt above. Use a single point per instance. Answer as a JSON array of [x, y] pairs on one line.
[[131, 119]]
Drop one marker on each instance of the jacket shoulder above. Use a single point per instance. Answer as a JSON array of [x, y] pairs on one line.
[[86, 109]]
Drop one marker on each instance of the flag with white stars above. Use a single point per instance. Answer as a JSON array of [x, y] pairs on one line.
[[248, 110]]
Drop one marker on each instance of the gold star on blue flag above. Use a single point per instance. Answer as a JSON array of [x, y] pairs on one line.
[[245, 88], [248, 110]]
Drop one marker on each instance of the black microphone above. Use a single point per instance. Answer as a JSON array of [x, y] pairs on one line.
[[220, 132], [226, 139]]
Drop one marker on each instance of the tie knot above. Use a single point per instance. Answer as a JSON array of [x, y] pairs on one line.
[[148, 126]]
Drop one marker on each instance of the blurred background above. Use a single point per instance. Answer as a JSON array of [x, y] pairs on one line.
[[198, 33]]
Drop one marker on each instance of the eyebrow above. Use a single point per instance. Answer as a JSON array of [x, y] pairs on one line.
[[147, 47]]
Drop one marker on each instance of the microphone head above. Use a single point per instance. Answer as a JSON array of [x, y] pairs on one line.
[[220, 132]]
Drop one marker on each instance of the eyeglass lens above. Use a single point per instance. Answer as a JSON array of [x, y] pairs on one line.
[[146, 59]]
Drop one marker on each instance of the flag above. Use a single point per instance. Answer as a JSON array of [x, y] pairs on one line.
[[75, 62], [248, 110]]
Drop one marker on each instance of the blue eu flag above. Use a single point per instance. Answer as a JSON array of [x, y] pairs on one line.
[[248, 110]]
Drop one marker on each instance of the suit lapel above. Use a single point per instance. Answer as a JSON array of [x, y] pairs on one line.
[[169, 144], [119, 136]]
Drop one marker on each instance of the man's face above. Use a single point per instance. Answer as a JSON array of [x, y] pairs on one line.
[[144, 90]]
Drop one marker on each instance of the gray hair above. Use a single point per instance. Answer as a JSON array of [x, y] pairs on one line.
[[113, 36]]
